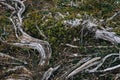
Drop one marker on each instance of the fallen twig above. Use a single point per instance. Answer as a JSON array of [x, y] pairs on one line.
[[49, 72]]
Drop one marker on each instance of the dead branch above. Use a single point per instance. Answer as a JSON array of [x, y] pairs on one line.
[[17, 70], [103, 61], [108, 36], [82, 67], [49, 72], [74, 67], [91, 24], [74, 46], [112, 17], [40, 32], [26, 40]]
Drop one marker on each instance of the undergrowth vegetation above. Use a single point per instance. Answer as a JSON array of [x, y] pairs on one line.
[[44, 15]]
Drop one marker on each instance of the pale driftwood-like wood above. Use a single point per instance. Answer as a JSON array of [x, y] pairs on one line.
[[23, 72], [26, 40], [83, 66], [49, 73]]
